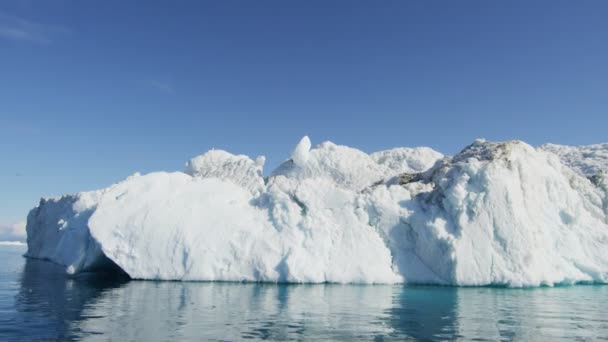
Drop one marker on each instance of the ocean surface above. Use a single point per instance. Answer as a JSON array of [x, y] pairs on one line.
[[39, 302]]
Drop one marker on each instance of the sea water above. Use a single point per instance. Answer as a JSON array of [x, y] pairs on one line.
[[38, 301]]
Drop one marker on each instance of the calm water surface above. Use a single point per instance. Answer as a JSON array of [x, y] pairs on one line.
[[38, 302]]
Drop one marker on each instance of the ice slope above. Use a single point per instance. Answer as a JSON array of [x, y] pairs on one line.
[[496, 213], [588, 160], [505, 213]]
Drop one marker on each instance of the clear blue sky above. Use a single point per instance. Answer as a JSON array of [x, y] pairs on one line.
[[92, 91]]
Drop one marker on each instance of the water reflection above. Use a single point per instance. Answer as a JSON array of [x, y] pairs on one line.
[[239, 311], [49, 305], [545, 314], [424, 312], [48, 301]]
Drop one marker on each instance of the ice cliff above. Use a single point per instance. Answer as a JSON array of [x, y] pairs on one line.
[[499, 213]]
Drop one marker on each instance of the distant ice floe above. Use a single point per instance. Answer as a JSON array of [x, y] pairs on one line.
[[497, 213], [12, 243]]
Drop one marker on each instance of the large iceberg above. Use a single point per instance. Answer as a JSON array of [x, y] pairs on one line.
[[502, 213]]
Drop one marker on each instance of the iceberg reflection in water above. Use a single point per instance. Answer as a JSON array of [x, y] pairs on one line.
[[44, 303]]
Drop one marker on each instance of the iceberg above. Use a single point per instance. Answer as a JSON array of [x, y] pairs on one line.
[[497, 213]]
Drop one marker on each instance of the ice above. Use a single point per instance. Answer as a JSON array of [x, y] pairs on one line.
[[239, 169], [587, 160], [12, 243], [344, 166], [57, 230], [407, 160], [506, 213], [501, 213], [301, 152]]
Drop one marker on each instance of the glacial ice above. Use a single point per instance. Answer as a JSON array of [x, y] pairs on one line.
[[239, 170], [587, 160], [502, 213]]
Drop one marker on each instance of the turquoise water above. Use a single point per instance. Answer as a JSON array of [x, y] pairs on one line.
[[38, 302]]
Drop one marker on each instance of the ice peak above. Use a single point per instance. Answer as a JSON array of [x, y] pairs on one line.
[[260, 161], [301, 152], [485, 150]]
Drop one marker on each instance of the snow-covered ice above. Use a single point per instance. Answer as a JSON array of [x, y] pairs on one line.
[[240, 170], [496, 213], [588, 160]]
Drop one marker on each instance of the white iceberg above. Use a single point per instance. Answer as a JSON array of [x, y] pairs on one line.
[[496, 213]]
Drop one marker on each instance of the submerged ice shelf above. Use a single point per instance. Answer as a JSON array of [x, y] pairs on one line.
[[502, 213]]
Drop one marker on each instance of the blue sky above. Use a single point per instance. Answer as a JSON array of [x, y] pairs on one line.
[[92, 91]]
